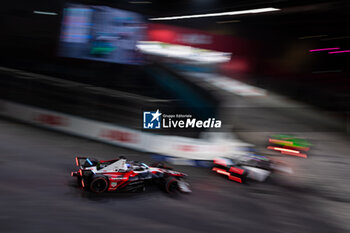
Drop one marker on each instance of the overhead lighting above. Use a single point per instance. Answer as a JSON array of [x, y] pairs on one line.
[[229, 13], [44, 13], [228, 21]]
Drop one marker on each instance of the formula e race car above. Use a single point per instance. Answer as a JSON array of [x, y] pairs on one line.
[[119, 174], [254, 167], [289, 145]]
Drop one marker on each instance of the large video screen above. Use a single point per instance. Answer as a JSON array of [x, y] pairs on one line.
[[101, 33]]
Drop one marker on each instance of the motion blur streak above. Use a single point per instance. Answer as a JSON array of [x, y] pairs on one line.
[[239, 180], [220, 162], [311, 37], [343, 51], [324, 49], [287, 151], [253, 11], [83, 78], [44, 13], [295, 154], [223, 172], [280, 141]]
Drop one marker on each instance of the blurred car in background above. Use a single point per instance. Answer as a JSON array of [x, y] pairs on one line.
[[250, 167], [289, 145]]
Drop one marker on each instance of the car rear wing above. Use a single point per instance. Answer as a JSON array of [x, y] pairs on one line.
[[80, 160], [84, 162]]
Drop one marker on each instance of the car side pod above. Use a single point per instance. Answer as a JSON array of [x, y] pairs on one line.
[[236, 174]]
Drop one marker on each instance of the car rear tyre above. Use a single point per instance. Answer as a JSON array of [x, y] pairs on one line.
[[99, 184]]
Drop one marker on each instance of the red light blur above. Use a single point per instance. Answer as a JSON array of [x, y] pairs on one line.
[[220, 162], [239, 180], [236, 170], [287, 151], [221, 171]]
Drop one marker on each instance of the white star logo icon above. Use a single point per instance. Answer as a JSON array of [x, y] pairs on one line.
[[156, 115]]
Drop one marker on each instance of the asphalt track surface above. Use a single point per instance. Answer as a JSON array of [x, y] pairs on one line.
[[37, 195]]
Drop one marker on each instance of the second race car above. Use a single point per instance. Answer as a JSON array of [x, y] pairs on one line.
[[254, 167]]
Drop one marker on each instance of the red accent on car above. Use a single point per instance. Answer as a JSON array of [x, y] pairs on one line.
[[282, 149], [221, 171], [76, 161], [237, 170], [107, 161], [239, 180], [288, 151], [220, 162], [295, 154], [123, 184], [288, 144]]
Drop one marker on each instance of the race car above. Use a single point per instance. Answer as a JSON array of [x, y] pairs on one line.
[[289, 145], [100, 176], [254, 167]]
